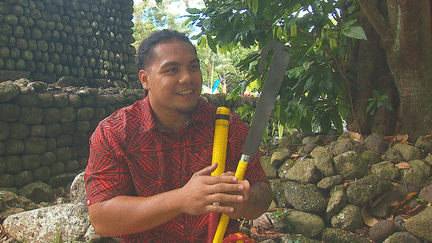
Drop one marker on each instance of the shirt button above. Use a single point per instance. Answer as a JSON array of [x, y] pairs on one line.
[[178, 220]]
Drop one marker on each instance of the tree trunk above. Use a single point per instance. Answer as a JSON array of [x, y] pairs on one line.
[[373, 73], [406, 36]]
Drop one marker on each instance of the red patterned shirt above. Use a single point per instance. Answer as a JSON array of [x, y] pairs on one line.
[[130, 154]]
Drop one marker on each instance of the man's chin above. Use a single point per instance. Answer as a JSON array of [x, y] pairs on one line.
[[187, 111]]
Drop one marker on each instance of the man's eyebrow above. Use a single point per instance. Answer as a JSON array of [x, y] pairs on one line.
[[194, 61], [170, 64]]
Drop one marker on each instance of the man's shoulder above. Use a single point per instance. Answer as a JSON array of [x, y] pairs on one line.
[[125, 115]]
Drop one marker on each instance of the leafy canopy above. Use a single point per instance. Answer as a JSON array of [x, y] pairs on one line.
[[318, 34]]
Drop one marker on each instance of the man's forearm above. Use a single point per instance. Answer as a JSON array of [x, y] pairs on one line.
[[125, 215], [260, 199]]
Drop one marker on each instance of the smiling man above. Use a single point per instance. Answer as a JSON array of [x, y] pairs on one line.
[[149, 173]]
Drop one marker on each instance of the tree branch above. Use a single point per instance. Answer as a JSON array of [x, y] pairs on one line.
[[369, 8]]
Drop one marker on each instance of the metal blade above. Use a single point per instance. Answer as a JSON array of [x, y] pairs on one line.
[[270, 91]]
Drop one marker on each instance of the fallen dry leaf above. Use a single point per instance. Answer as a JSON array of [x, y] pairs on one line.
[[262, 222], [356, 136], [368, 219], [392, 140], [403, 165]]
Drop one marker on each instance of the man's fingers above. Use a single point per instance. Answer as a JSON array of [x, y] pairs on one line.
[[207, 170]]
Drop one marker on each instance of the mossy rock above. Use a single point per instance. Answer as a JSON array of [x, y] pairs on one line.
[[64, 140], [75, 101], [82, 126], [35, 145], [63, 153], [67, 114], [31, 115], [89, 100], [53, 130], [61, 100], [23, 178], [2, 148], [13, 146], [27, 100], [42, 173], [51, 115], [31, 161], [2, 165], [57, 168], [13, 164], [8, 91], [4, 130], [67, 128], [371, 157], [51, 144], [85, 113], [72, 166], [9, 112], [7, 180], [19, 130], [79, 138], [46, 100], [101, 101], [61, 180], [38, 131], [48, 158], [333, 235], [99, 113]]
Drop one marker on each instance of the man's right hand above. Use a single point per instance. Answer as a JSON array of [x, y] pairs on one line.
[[204, 193]]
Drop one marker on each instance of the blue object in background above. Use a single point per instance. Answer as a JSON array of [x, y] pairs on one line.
[[216, 84]]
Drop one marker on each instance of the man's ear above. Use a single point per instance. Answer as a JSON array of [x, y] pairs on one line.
[[143, 76]]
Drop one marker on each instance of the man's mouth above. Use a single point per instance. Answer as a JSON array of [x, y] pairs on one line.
[[185, 92]]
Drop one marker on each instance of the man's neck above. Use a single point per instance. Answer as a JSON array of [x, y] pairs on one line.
[[173, 126]]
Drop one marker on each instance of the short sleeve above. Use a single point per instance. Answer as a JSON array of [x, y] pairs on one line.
[[107, 174]]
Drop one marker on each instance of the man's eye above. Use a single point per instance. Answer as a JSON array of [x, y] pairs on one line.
[[195, 67], [171, 70]]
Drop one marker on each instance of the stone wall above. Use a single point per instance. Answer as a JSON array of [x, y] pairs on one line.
[[87, 39], [44, 129]]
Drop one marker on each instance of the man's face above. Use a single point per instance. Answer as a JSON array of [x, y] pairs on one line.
[[173, 78]]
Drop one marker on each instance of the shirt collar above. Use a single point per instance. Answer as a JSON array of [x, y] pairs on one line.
[[149, 123]]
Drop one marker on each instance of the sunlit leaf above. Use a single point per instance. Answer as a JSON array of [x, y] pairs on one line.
[[293, 30], [355, 32]]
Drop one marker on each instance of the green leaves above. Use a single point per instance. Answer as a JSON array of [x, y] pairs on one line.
[[377, 101], [355, 32], [318, 34]]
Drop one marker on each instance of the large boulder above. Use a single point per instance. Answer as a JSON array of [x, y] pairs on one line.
[[365, 189], [67, 222], [304, 197], [420, 224], [350, 165], [37, 192]]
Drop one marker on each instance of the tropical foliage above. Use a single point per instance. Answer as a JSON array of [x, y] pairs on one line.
[[318, 35]]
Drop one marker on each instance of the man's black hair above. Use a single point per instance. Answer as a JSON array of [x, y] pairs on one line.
[[145, 51]]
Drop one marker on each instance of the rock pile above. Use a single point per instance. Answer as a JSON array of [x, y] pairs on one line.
[[349, 190], [332, 189]]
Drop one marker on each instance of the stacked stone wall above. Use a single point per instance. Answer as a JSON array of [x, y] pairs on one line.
[[87, 39], [45, 129]]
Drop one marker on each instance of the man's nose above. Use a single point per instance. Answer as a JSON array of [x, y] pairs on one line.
[[186, 77]]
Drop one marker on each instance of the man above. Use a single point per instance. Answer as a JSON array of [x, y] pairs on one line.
[[148, 177]]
